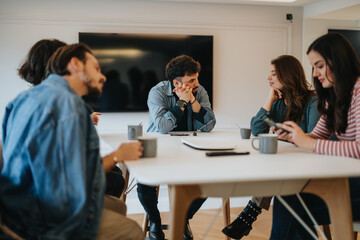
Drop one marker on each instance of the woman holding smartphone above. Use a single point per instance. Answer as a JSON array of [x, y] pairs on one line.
[[336, 76], [290, 98]]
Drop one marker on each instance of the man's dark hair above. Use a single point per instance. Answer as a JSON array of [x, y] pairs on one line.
[[59, 60], [181, 66], [33, 70]]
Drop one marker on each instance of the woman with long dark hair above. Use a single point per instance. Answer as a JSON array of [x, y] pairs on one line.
[[336, 76], [290, 98], [33, 70]]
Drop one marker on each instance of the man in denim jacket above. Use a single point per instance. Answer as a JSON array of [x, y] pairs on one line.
[[179, 104], [52, 181]]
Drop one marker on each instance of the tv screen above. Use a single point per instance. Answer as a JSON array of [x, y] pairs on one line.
[[352, 35], [134, 63]]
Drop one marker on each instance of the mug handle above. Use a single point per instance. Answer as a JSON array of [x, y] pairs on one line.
[[140, 130], [132, 132], [252, 144]]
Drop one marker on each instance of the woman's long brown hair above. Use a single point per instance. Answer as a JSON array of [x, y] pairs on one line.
[[296, 90], [342, 60]]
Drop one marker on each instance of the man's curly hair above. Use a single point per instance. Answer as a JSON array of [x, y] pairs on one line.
[[181, 66]]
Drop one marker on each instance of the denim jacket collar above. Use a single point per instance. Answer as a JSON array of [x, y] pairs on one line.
[[60, 82], [169, 89]]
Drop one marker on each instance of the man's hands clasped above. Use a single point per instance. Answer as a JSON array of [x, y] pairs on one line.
[[184, 92]]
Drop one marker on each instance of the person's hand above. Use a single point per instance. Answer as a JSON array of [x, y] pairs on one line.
[[282, 135], [183, 91], [129, 151], [95, 118], [296, 135], [273, 95]]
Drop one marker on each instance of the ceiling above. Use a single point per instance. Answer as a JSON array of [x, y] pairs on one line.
[[257, 2], [325, 9], [348, 13]]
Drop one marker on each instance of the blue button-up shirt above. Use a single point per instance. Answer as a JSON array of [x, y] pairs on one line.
[[53, 180], [164, 115]]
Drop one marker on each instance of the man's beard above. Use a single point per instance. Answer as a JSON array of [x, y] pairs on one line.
[[92, 91]]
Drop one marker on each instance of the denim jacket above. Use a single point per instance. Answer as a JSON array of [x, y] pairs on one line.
[[52, 182], [161, 100]]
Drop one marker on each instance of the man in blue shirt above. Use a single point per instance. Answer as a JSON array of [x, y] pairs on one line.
[[53, 176], [179, 104]]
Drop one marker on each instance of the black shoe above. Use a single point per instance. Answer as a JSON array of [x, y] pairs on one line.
[[241, 226], [188, 233], [237, 229], [155, 232]]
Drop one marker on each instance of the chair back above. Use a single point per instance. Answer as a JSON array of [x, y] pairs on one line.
[[1, 156], [356, 226]]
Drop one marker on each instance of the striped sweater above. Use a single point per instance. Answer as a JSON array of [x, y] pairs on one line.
[[349, 144]]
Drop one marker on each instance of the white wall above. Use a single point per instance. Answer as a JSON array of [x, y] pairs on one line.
[[320, 16], [246, 38], [314, 28]]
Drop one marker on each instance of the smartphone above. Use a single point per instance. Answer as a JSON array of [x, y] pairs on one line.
[[179, 134], [225, 153], [271, 123]]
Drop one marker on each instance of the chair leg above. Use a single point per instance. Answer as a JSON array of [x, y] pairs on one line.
[[226, 212], [335, 193], [145, 225], [326, 230], [123, 195]]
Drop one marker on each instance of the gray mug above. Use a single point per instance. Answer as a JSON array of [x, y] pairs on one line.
[[150, 146], [267, 143], [134, 131], [245, 133]]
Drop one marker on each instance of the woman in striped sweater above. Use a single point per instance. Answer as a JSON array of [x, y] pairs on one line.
[[336, 76]]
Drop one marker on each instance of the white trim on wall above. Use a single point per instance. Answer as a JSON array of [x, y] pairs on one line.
[[144, 23]]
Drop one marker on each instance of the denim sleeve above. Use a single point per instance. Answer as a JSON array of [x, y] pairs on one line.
[[313, 114], [257, 122], [160, 116], [209, 117], [60, 172]]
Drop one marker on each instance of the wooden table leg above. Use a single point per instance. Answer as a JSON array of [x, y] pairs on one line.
[[181, 198], [226, 213], [336, 194]]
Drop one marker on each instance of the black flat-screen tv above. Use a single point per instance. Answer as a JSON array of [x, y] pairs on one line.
[[352, 35], [134, 63]]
